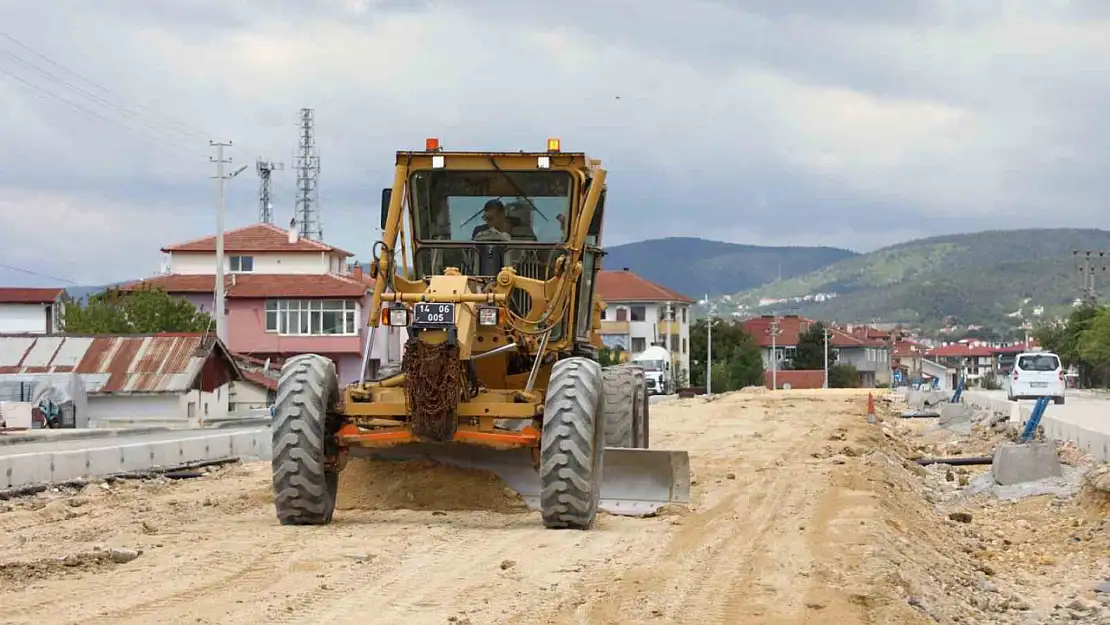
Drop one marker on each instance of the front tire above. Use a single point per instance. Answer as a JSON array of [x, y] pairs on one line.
[[571, 445], [303, 437]]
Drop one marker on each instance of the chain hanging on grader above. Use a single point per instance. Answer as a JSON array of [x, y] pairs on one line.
[[500, 369]]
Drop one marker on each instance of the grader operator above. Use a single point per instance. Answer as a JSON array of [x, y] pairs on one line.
[[500, 369]]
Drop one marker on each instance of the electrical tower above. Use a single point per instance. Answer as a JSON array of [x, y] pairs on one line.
[[1089, 263], [265, 203], [307, 213]]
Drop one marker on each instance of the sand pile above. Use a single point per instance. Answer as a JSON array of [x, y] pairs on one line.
[[369, 484]]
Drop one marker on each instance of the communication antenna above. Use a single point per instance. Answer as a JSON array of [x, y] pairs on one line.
[[265, 202]]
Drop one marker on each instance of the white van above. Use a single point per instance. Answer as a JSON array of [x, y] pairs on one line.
[[1037, 374]]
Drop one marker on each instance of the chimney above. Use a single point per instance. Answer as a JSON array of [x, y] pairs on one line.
[[358, 271], [292, 235], [624, 269]]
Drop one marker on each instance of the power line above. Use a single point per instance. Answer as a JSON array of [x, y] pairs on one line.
[[86, 111], [80, 91], [189, 128], [37, 274]]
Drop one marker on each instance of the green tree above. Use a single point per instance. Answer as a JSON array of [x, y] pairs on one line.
[[737, 361], [1076, 344], [145, 310], [809, 353], [609, 356], [1094, 341], [843, 376]]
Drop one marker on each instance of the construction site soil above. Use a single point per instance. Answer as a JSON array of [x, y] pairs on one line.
[[802, 512]]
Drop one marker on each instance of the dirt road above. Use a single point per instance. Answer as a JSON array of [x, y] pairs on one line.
[[792, 522]]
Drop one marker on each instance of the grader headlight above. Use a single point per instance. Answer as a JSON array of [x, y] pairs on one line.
[[396, 317], [488, 316]]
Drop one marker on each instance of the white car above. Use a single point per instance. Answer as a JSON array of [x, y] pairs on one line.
[[1037, 374]]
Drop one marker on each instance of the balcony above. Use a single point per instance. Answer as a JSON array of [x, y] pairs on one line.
[[615, 327], [668, 327]]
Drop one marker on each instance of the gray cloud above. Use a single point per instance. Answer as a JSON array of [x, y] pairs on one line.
[[856, 123]]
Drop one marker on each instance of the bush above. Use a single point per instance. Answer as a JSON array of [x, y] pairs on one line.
[[843, 376]]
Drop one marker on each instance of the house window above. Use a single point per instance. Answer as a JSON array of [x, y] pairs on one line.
[[639, 344], [622, 314], [242, 264], [639, 313], [683, 346], [674, 342], [684, 314], [327, 317], [604, 314]]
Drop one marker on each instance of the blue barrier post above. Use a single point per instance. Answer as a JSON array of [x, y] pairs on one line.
[[1034, 420]]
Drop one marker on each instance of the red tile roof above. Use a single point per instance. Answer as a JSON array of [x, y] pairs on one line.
[[796, 378], [159, 363], [626, 286], [258, 237], [909, 349], [16, 295], [260, 285], [792, 326], [961, 350]]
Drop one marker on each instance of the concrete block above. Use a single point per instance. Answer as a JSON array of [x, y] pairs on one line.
[[935, 398], [954, 412], [1015, 463], [915, 400]]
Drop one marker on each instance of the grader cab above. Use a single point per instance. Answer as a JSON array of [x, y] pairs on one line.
[[500, 369]]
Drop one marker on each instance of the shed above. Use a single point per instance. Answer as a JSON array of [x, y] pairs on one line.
[[159, 378]]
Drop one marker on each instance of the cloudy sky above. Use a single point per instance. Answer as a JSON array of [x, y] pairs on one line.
[[754, 121]]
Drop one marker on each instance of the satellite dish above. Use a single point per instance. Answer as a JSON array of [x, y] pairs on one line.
[[786, 386]]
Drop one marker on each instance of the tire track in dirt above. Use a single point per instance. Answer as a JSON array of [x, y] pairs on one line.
[[710, 561], [424, 578], [224, 574]]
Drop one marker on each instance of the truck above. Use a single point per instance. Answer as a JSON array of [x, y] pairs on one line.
[[656, 363]]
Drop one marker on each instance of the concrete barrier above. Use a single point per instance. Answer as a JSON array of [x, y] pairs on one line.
[[101, 457], [1094, 442]]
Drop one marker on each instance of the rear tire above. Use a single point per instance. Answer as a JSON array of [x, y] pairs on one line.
[[303, 436], [1059, 400], [619, 388], [571, 445], [640, 411]]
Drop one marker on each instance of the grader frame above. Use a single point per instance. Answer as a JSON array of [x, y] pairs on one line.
[[500, 371]]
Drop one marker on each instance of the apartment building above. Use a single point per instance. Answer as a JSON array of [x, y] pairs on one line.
[[640, 313], [285, 295]]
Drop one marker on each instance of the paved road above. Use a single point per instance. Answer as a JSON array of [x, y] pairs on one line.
[[1086, 409]]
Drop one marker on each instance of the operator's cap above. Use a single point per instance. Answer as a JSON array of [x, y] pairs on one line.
[[494, 204]]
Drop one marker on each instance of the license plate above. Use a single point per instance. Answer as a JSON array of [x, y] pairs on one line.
[[1039, 384], [433, 315]]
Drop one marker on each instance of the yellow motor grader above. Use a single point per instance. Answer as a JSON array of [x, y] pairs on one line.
[[500, 369]]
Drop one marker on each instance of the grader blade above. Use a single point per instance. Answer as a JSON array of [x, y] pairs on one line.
[[635, 482]]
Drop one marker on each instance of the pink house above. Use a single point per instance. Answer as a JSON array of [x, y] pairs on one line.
[[285, 296]]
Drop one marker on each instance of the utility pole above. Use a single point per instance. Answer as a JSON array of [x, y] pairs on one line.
[[221, 320], [1088, 265], [709, 349], [265, 170], [827, 333], [221, 207], [774, 332]]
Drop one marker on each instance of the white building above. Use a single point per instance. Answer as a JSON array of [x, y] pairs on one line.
[[164, 379], [640, 313], [31, 311]]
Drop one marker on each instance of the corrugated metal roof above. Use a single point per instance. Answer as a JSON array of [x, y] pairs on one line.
[[167, 363]]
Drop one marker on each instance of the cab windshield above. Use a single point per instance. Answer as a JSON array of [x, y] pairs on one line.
[[651, 365], [498, 205]]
